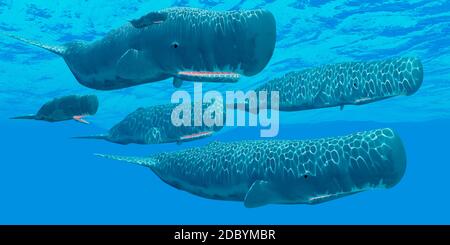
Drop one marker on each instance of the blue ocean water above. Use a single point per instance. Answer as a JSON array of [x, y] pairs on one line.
[[48, 178]]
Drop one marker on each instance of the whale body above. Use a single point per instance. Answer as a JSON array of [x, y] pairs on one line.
[[350, 83], [66, 108], [283, 171], [153, 125], [180, 43]]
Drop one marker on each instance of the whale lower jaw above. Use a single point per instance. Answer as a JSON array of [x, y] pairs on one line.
[[238, 192], [330, 196], [209, 76]]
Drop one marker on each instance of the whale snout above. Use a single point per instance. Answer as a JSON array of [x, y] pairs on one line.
[[395, 166], [415, 69], [260, 41], [377, 159], [90, 104]]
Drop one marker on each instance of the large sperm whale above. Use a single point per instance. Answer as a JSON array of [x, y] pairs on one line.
[[283, 171], [181, 43], [350, 83], [153, 125], [66, 108]]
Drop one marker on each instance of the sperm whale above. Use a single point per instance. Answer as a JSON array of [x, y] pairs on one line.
[[66, 108], [350, 83], [153, 125], [283, 171], [181, 43]]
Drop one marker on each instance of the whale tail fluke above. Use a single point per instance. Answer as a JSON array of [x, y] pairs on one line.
[[59, 50], [25, 117], [143, 161]]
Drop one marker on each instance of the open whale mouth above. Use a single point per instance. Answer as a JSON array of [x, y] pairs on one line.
[[208, 76]]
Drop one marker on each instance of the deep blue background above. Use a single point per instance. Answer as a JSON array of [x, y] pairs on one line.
[[48, 178]]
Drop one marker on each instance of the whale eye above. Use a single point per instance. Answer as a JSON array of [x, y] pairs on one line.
[[175, 45], [355, 85], [305, 176]]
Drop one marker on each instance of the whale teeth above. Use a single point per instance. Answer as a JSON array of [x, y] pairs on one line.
[[208, 76], [209, 73]]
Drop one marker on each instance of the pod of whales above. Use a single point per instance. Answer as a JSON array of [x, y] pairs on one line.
[[283, 171], [188, 44], [66, 108], [180, 43], [351, 83], [153, 125]]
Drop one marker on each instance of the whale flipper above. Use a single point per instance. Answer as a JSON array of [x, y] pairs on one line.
[[149, 19], [132, 65], [59, 50], [260, 193], [25, 117], [177, 82]]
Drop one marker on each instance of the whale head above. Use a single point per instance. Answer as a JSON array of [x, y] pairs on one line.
[[385, 79], [89, 104], [367, 160], [377, 160], [201, 45]]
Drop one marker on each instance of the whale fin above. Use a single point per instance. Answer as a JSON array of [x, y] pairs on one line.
[[79, 118], [195, 136], [177, 82], [132, 65], [59, 50], [143, 161], [25, 117], [149, 19], [260, 193]]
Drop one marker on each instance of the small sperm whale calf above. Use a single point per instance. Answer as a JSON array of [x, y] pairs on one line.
[[153, 125], [283, 171], [180, 43], [66, 108], [351, 83]]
